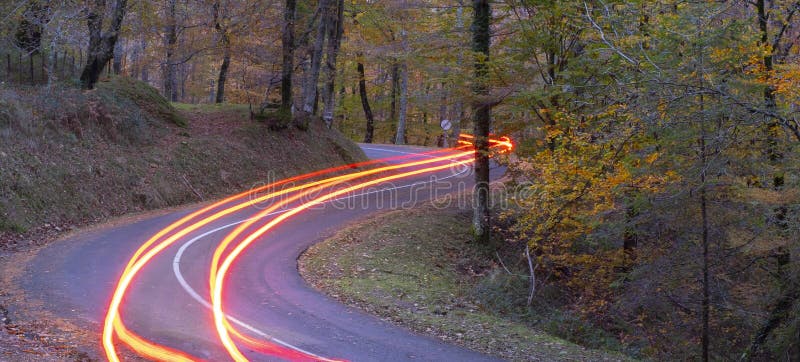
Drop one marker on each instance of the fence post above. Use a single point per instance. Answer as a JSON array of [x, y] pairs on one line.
[[30, 67], [45, 76]]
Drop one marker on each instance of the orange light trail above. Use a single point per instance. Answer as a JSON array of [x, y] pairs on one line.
[[113, 323], [216, 296], [141, 258]]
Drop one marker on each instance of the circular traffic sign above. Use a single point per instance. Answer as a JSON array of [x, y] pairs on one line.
[[446, 125]]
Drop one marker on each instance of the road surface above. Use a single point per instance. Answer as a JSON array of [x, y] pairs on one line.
[[265, 294]]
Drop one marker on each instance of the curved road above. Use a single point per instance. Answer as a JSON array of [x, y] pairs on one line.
[[265, 294]]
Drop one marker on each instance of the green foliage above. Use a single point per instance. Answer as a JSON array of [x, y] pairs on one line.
[[656, 104]]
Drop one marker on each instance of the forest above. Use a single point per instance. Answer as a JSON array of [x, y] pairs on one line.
[[652, 201]]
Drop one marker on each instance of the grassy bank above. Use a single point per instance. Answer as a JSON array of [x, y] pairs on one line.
[[70, 158], [418, 268]]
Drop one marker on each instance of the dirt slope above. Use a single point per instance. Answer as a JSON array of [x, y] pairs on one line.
[[72, 158]]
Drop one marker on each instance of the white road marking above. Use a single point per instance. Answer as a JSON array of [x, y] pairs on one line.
[[197, 297], [401, 152]]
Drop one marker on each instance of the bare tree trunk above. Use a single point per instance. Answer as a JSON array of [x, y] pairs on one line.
[[315, 53], [170, 66], [101, 45], [226, 48], [395, 86], [223, 74], [532, 270], [704, 215], [482, 120], [400, 138], [335, 30], [362, 90], [288, 57], [458, 107], [117, 63]]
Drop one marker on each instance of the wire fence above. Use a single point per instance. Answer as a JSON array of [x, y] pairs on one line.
[[39, 67]]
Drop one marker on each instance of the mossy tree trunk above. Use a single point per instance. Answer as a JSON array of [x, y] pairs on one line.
[[482, 120], [101, 44]]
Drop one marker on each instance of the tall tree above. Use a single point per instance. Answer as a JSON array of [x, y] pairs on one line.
[[101, 44], [400, 137], [315, 57], [335, 28], [287, 69], [221, 26], [362, 91], [482, 119], [170, 67]]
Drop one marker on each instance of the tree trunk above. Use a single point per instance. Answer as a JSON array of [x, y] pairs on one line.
[[362, 90], [400, 138], [335, 30], [310, 84], [706, 303], [630, 238], [223, 72], [287, 70], [101, 45], [482, 120], [117, 63], [458, 107], [170, 66], [395, 86], [224, 38], [145, 73]]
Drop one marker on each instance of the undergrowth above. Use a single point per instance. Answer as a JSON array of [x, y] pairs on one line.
[[70, 157]]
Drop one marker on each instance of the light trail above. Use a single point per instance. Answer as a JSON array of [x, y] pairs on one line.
[[145, 253], [148, 250], [218, 283]]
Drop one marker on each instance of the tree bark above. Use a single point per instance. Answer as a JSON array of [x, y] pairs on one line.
[[482, 120], [362, 91], [101, 44], [117, 63], [170, 40], [226, 48], [311, 79], [458, 107], [706, 302], [395, 87], [335, 30], [400, 138], [287, 71], [223, 75]]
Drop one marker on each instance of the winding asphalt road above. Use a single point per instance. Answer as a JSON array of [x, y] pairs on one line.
[[265, 294]]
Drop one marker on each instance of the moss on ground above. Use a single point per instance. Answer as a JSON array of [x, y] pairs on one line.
[[419, 269]]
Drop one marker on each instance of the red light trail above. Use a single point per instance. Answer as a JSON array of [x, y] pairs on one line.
[[218, 270]]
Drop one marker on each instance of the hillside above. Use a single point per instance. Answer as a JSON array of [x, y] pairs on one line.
[[70, 158]]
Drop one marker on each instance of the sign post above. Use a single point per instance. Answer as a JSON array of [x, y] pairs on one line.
[[446, 126]]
